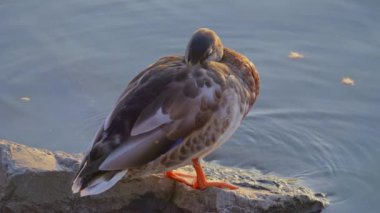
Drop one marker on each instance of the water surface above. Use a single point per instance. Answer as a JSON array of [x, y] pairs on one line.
[[73, 59]]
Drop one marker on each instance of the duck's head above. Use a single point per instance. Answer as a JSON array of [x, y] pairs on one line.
[[205, 45]]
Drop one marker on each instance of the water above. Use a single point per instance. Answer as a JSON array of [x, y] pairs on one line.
[[73, 59]]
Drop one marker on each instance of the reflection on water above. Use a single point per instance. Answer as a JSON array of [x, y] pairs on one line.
[[73, 58]]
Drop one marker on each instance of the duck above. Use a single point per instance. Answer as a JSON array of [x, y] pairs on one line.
[[174, 113]]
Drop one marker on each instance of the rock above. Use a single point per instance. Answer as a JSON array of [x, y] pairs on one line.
[[38, 180]]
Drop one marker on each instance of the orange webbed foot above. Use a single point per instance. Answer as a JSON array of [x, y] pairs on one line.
[[200, 181], [218, 184], [180, 177]]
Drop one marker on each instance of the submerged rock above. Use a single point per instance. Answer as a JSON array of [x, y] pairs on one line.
[[38, 180]]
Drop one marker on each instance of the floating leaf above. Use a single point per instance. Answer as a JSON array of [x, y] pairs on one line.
[[295, 55], [25, 98], [348, 81]]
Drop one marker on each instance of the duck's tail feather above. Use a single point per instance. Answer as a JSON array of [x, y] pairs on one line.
[[98, 184], [77, 183]]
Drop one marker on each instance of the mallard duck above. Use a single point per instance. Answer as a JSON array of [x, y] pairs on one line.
[[175, 112]]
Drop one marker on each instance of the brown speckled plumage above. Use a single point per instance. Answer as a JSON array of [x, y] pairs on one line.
[[178, 109]]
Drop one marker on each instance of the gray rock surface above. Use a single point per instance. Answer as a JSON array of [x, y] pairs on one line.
[[37, 180]]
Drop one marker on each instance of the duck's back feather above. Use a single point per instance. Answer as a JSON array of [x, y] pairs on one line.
[[160, 107]]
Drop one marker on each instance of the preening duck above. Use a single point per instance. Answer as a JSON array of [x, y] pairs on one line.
[[173, 113]]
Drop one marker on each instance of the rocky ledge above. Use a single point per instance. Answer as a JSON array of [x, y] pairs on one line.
[[38, 180]]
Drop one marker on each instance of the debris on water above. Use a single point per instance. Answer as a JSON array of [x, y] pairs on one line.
[[295, 55], [319, 194], [348, 81], [25, 98]]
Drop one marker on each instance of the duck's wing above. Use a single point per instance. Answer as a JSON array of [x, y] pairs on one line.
[[158, 109]]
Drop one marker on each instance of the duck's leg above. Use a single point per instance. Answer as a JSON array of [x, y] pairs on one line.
[[201, 182], [180, 177]]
